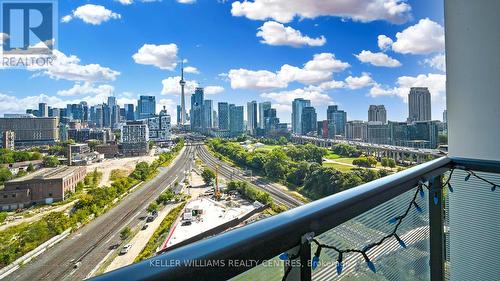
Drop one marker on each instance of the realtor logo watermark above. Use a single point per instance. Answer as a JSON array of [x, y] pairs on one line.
[[28, 33]]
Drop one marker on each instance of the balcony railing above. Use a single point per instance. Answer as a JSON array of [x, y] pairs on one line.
[[353, 222]]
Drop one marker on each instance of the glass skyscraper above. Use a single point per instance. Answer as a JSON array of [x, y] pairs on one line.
[[146, 107], [297, 107]]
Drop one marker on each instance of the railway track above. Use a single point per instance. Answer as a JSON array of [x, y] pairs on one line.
[[278, 195], [65, 269]]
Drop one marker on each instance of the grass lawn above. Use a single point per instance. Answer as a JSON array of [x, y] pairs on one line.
[[332, 156], [339, 167], [345, 160], [268, 147]]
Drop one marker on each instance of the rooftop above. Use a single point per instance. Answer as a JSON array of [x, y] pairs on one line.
[[48, 173]]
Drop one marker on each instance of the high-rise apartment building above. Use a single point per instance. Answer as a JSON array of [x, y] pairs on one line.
[[197, 109], [223, 111], [129, 112], [207, 115], [146, 107], [356, 130], [135, 138], [43, 110], [236, 119], [252, 117], [297, 107], [336, 121], [263, 108], [309, 120], [419, 104], [377, 113]]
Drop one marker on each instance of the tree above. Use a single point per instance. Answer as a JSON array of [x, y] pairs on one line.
[[93, 144], [391, 163], [153, 207], [366, 162], [165, 197], [142, 171], [95, 177], [443, 139], [5, 175], [30, 168], [208, 176], [277, 164], [50, 161], [125, 233]]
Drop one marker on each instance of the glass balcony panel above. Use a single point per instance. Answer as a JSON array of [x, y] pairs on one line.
[[391, 260], [271, 270]]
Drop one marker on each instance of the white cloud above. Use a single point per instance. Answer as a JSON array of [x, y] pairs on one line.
[[129, 2], [284, 99], [211, 90], [191, 69], [435, 82], [161, 56], [66, 18], [379, 90], [171, 87], [438, 62], [125, 2], [329, 85], [276, 34], [395, 11], [92, 14], [425, 37], [362, 81], [384, 42], [377, 59], [87, 88], [170, 106], [3, 37], [69, 68], [250, 79], [186, 1], [319, 69]]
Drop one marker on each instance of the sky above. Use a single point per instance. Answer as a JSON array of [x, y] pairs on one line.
[[349, 53]]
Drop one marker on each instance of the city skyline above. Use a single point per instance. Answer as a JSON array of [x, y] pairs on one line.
[[262, 68]]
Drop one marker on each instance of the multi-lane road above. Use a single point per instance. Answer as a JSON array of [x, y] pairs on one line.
[[92, 243], [279, 195]]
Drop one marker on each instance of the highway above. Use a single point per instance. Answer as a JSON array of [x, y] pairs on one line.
[[278, 194], [91, 244]]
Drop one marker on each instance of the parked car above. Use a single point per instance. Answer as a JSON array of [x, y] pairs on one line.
[[152, 217], [184, 223], [125, 249]]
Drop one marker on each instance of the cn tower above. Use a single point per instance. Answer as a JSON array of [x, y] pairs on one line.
[[183, 101]]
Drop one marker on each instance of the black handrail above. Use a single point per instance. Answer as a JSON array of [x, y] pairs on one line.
[[267, 238]]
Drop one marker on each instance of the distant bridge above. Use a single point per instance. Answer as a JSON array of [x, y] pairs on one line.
[[398, 153]]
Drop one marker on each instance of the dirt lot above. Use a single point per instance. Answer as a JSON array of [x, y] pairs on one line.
[[126, 164]]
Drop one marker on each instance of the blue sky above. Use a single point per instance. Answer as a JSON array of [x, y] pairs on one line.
[[242, 51]]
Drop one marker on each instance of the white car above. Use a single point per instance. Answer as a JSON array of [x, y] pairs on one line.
[[125, 249]]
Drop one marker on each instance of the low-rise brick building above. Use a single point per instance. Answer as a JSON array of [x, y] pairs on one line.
[[44, 186]]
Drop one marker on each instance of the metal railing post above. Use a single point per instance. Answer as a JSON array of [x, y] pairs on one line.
[[304, 272], [305, 257], [436, 229]]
